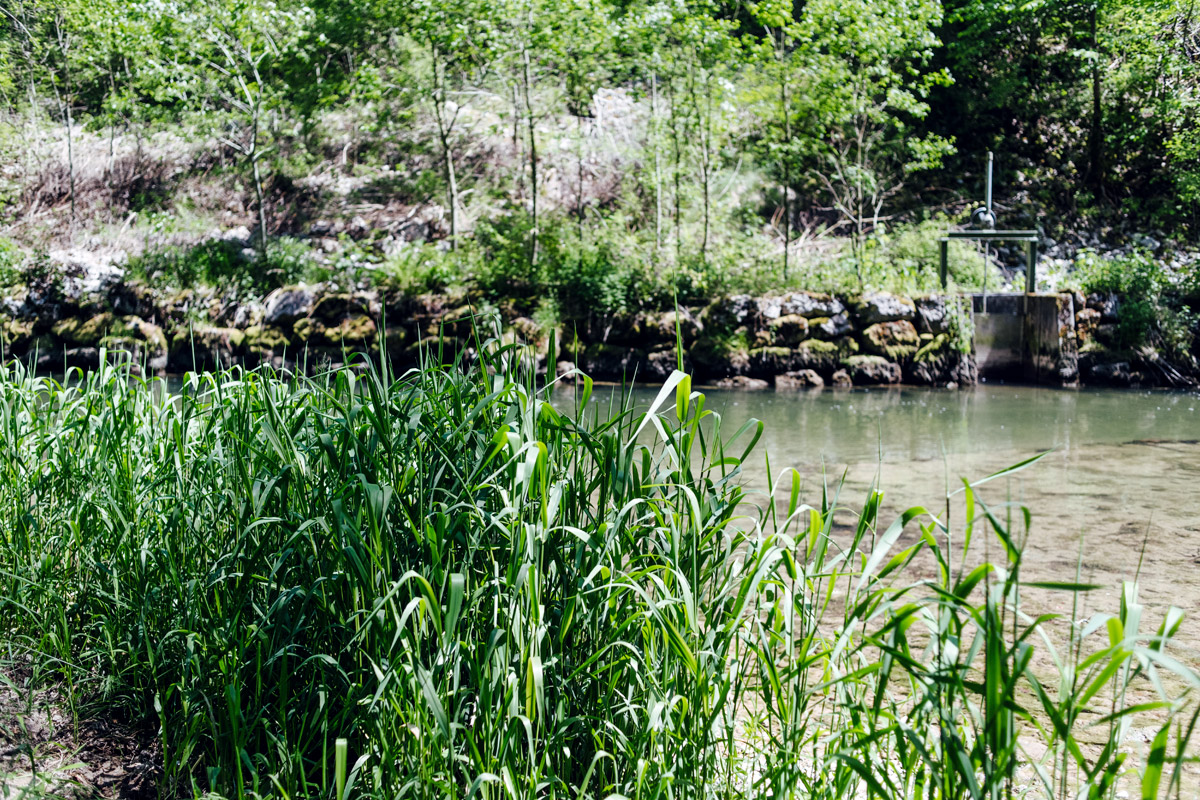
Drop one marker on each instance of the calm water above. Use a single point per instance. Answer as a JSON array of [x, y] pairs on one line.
[[901, 425], [1117, 491]]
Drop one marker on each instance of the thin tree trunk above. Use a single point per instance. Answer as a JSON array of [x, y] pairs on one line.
[[444, 130], [64, 104], [677, 147], [706, 166], [1096, 134], [787, 161], [533, 179], [579, 177], [657, 165], [258, 188]]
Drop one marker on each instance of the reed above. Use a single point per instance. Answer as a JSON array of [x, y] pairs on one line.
[[442, 584]]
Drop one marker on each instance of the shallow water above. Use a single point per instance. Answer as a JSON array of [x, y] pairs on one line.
[[1117, 491]]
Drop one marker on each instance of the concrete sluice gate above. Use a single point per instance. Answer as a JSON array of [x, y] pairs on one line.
[[1026, 337]]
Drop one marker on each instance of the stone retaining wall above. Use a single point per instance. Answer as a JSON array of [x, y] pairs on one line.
[[795, 340]]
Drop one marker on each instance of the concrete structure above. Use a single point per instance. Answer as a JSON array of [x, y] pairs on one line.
[[1026, 337]]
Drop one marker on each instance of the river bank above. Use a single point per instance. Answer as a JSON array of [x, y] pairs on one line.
[[64, 318]]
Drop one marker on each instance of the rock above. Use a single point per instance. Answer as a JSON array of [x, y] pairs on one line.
[[766, 361], [799, 379], [205, 348], [658, 365], [283, 307], [719, 357], [893, 340], [830, 327], [332, 309], [690, 327], [872, 370], [878, 307], [727, 313], [841, 378], [1112, 374], [608, 361], [87, 276], [743, 383], [821, 356], [932, 316], [320, 227], [810, 304], [263, 339], [15, 335], [1086, 322], [1107, 303], [939, 363], [248, 314], [769, 308], [789, 329], [239, 236]]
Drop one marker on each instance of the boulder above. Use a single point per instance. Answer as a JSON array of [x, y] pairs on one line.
[[788, 330], [893, 340], [872, 370], [720, 357], [829, 328], [841, 378], [876, 307], [932, 315], [799, 379], [743, 383], [607, 361], [1087, 320], [768, 361], [939, 363], [821, 356], [1111, 374], [727, 313], [810, 304], [1107, 303], [690, 327], [205, 348], [283, 307]]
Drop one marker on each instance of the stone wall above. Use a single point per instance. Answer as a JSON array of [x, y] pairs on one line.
[[795, 340]]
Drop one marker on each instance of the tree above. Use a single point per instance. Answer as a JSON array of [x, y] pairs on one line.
[[866, 89], [457, 36]]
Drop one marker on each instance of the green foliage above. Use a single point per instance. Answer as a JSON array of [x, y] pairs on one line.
[[446, 585], [12, 262], [225, 264], [1139, 282]]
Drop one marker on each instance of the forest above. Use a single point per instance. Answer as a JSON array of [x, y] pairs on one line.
[[615, 154]]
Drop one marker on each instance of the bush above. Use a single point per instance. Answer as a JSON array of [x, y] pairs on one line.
[[1138, 280], [226, 264]]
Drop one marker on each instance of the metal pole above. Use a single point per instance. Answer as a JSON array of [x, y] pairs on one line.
[[944, 261], [989, 186], [1031, 267]]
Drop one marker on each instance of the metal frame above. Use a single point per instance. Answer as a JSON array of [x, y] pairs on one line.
[[1029, 237]]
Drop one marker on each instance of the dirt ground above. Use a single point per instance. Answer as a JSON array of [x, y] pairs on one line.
[[45, 752]]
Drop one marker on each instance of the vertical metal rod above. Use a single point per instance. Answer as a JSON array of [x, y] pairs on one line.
[[944, 261], [1031, 267], [989, 184]]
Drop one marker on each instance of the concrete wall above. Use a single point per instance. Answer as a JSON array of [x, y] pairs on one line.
[[1026, 337]]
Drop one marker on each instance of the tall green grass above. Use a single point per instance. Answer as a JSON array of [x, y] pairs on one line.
[[443, 584]]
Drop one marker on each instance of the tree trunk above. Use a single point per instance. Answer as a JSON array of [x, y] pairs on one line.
[[533, 179], [787, 161], [1096, 134], [657, 167], [444, 130]]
